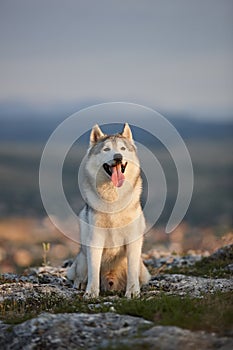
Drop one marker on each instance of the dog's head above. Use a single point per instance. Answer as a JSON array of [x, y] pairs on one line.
[[115, 155]]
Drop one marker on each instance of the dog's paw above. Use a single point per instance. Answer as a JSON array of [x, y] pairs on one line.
[[91, 294], [79, 285], [132, 293]]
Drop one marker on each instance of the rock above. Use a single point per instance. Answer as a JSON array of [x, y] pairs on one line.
[[223, 253], [173, 261], [39, 282], [42, 275], [175, 338], [104, 330], [170, 261], [190, 285], [70, 331], [24, 291], [229, 267]]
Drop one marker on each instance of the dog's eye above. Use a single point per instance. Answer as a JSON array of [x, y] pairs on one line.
[[106, 149], [123, 148]]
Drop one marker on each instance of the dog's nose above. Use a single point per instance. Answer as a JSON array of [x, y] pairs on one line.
[[117, 157]]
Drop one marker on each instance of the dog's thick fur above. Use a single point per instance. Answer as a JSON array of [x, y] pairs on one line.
[[112, 222]]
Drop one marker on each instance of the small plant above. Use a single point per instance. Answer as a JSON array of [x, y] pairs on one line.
[[46, 249]]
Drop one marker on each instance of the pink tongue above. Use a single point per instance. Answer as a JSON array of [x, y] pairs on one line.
[[117, 176]]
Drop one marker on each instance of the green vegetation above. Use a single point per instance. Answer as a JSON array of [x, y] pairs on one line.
[[14, 312], [212, 312], [46, 249]]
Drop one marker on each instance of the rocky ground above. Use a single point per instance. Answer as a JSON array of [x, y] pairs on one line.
[[38, 308]]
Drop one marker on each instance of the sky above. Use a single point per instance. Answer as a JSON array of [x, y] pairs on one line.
[[172, 55]]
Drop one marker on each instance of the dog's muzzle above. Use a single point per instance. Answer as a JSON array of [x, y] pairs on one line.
[[109, 168], [116, 170], [117, 158]]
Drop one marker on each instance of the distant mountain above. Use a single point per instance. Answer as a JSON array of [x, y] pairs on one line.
[[19, 122]]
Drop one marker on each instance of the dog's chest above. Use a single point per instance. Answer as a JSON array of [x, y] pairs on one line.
[[110, 254], [115, 220]]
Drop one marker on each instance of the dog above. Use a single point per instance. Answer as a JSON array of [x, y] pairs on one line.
[[112, 223]]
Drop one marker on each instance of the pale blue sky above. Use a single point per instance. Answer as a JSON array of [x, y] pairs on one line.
[[174, 55]]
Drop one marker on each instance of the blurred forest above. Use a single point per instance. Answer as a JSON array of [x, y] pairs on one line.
[[24, 225]]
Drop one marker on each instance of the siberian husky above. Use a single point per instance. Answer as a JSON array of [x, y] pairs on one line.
[[112, 222]]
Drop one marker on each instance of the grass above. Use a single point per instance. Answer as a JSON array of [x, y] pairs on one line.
[[212, 313], [14, 312]]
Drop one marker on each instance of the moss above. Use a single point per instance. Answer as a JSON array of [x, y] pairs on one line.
[[213, 312], [14, 312], [119, 346]]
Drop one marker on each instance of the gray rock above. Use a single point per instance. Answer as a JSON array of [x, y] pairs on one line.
[[229, 267], [168, 262], [190, 285], [174, 338], [23, 291], [104, 330], [173, 261], [71, 331], [223, 253]]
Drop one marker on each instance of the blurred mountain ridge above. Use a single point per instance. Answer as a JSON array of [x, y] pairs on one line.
[[21, 122]]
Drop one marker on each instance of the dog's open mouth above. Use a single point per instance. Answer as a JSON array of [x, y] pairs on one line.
[[116, 172]]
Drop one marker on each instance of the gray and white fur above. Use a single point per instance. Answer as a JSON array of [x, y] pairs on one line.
[[112, 222]]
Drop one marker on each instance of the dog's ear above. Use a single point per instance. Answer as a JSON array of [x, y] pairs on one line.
[[127, 132], [96, 134]]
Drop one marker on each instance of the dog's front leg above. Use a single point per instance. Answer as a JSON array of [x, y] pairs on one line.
[[94, 256], [133, 258]]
